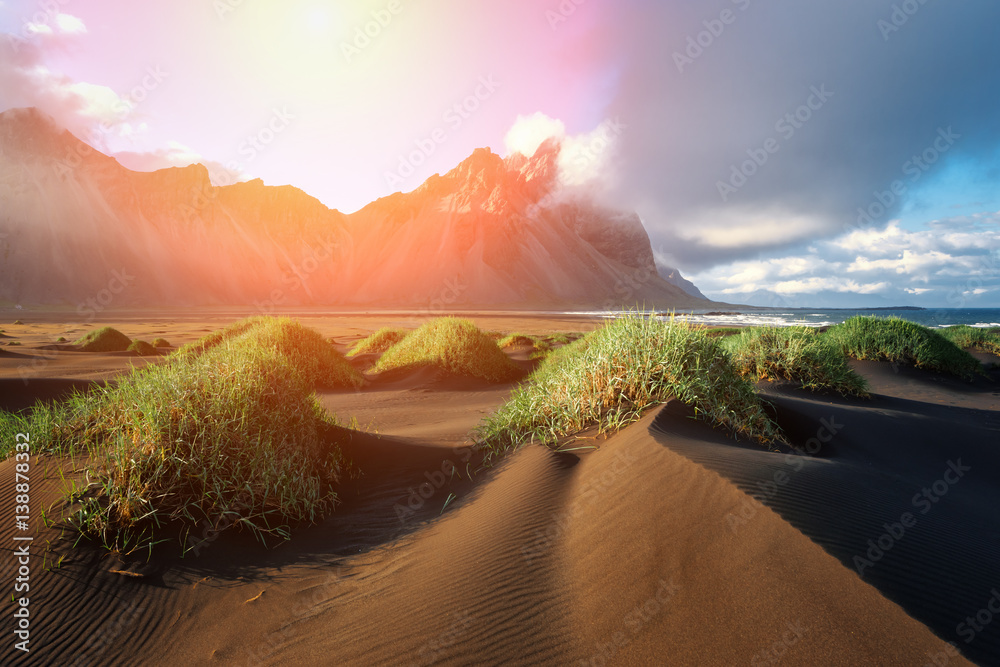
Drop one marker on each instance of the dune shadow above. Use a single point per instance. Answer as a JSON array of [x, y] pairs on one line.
[[394, 488], [900, 491], [17, 394]]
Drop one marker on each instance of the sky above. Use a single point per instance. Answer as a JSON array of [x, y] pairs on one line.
[[779, 152]]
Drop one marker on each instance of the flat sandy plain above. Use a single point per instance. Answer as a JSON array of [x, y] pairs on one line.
[[668, 544]]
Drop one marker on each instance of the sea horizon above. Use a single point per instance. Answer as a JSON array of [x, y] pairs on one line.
[[933, 318]]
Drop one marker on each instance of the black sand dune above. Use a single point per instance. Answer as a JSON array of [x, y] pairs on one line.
[[647, 550], [19, 394], [903, 492]]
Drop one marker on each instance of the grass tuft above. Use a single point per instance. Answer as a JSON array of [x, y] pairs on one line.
[[723, 332], [798, 354], [378, 342], [161, 342], [898, 340], [973, 338], [231, 436], [455, 345], [105, 339], [313, 355], [142, 348], [609, 377], [518, 340], [562, 338]]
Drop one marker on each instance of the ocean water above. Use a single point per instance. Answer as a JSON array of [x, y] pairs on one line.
[[821, 317]]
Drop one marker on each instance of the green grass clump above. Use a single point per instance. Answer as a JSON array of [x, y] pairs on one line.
[[722, 332], [233, 436], [975, 338], [798, 354], [609, 377], [898, 340], [456, 345], [142, 348], [378, 342], [161, 342], [517, 340], [315, 356], [567, 350], [540, 345], [563, 337], [543, 345], [61, 339], [105, 339], [18, 322], [215, 338]]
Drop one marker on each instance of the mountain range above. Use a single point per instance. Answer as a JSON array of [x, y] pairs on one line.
[[76, 227]]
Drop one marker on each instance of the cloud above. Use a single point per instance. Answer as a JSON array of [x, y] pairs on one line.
[[936, 264], [743, 229], [528, 133], [94, 113], [49, 24], [586, 160], [177, 154], [69, 24], [31, 29], [809, 110]]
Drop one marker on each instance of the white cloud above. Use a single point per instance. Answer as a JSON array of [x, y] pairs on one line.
[[949, 262], [585, 159], [58, 24], [34, 29], [69, 24], [736, 228], [177, 154], [98, 103], [917, 265], [528, 133], [94, 113]]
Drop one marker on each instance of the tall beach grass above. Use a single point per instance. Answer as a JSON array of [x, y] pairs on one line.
[[378, 342], [455, 345], [973, 338], [611, 376], [897, 340], [798, 354], [227, 434]]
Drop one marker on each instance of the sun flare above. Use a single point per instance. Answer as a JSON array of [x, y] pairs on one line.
[[318, 20]]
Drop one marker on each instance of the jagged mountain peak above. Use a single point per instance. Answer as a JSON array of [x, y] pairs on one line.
[[473, 233], [484, 169]]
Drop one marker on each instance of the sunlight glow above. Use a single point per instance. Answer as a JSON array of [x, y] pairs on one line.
[[318, 20]]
